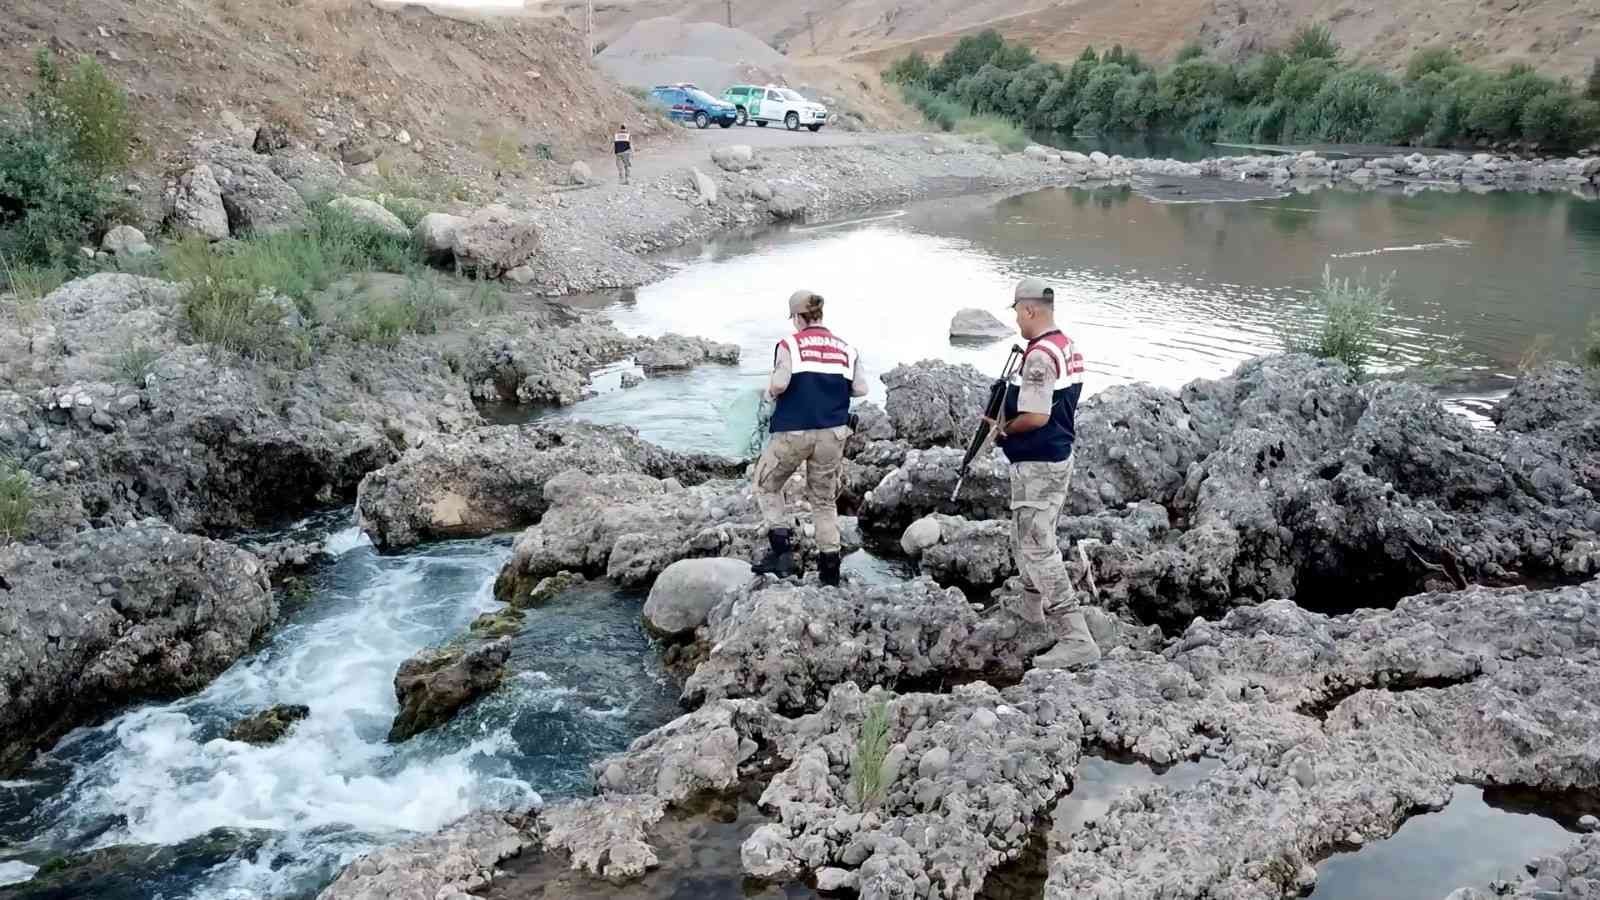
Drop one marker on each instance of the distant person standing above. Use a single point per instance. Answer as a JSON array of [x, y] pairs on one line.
[[622, 146]]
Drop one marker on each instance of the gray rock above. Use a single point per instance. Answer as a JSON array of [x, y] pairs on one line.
[[630, 527], [978, 325], [921, 535], [1037, 152], [435, 684], [435, 234], [521, 275], [934, 403], [689, 589], [675, 352], [761, 191], [734, 158], [705, 187], [460, 857], [1589, 823], [695, 753], [256, 199], [310, 175], [580, 173], [125, 240], [113, 616], [492, 479], [933, 762], [364, 210], [787, 205], [270, 137], [495, 240], [608, 837], [831, 880], [268, 726], [197, 209]]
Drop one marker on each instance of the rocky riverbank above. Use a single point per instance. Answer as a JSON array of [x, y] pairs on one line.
[[1328, 730]]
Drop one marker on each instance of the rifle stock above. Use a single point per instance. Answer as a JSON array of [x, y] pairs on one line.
[[991, 413]]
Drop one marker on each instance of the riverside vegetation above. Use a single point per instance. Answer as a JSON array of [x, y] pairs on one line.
[[1302, 93]]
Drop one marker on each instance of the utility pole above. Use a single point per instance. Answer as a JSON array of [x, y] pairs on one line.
[[728, 6], [589, 25], [811, 26]]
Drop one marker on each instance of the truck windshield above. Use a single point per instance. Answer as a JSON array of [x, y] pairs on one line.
[[703, 97]]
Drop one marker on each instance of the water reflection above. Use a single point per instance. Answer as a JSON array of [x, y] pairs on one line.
[[1157, 292], [1478, 838]]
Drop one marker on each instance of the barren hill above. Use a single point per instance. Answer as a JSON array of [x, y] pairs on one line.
[[1561, 36], [331, 70]]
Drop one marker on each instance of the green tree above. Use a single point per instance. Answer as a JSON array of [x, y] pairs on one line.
[[1012, 56], [1259, 77], [1026, 89], [1594, 81], [970, 54], [1115, 57], [1312, 42], [1099, 97], [1057, 108], [87, 108], [1350, 103], [1191, 50]]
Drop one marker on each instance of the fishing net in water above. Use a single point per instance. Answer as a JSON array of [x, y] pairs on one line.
[[747, 416]]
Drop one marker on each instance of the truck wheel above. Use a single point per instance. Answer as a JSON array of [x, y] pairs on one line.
[[742, 117], [814, 128], [761, 124], [701, 120], [792, 121]]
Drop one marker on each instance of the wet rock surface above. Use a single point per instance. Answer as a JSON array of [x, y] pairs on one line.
[[491, 479], [447, 865], [433, 685], [268, 726], [117, 615], [672, 352], [934, 403]]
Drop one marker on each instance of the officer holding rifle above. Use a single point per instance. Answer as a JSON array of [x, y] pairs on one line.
[[1035, 431]]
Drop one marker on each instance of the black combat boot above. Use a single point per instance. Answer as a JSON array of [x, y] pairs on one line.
[[828, 568], [779, 560]]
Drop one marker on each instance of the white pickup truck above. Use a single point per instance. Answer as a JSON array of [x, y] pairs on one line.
[[775, 104]]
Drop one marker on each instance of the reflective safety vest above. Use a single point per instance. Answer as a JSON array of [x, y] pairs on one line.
[[818, 396], [621, 142], [1053, 441]]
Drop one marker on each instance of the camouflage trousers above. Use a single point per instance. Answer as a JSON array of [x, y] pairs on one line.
[[821, 450], [1038, 492], [624, 164]]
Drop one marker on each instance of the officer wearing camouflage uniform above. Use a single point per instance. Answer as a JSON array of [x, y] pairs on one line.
[[814, 375], [1037, 434]]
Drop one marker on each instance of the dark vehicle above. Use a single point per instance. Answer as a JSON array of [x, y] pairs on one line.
[[687, 103]]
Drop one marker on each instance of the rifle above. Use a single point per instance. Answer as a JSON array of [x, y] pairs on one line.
[[992, 411]]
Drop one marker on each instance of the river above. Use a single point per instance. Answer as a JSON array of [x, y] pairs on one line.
[[1153, 291], [154, 803]]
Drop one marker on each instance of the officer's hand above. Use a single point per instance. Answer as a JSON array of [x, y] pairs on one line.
[[997, 429]]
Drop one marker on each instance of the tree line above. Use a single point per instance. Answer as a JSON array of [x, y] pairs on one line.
[[1304, 92]]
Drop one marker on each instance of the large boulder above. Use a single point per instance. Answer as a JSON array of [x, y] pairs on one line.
[[195, 206], [689, 589], [125, 240], [580, 173], [934, 403], [705, 187], [113, 616], [435, 236], [631, 527], [494, 240], [492, 479], [734, 157], [461, 857], [257, 201], [977, 325], [371, 213], [434, 685], [268, 726], [675, 352]]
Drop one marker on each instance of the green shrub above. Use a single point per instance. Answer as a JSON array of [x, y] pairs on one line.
[[1312, 42], [1592, 90], [867, 785], [28, 285], [420, 308], [1429, 60], [16, 500], [50, 204], [135, 362], [1591, 350], [970, 54], [88, 109], [1551, 118], [912, 68], [1191, 50], [1350, 103], [1347, 322], [1258, 79], [1299, 82], [1099, 96]]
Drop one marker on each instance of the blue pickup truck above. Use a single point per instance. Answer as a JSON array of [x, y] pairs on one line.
[[687, 103]]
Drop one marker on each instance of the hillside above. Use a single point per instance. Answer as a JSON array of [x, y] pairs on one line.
[[334, 72], [1559, 36]]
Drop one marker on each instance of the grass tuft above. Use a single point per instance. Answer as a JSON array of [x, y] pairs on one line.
[[1347, 322], [866, 766]]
